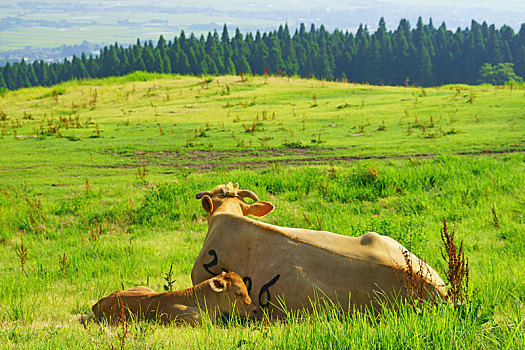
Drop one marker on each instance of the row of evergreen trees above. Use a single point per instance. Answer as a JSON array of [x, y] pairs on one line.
[[423, 55]]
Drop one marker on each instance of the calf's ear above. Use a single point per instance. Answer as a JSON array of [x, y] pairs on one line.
[[217, 285], [207, 204], [260, 208]]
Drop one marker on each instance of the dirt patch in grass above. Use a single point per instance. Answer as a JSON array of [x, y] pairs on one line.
[[205, 160], [214, 154]]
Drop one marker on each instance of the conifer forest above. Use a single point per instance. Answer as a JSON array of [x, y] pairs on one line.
[[425, 55]]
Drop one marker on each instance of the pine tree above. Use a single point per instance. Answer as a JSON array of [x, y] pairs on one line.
[[63, 71], [31, 75], [192, 60], [182, 40], [79, 71], [385, 62], [161, 44], [259, 55], [203, 67], [362, 39], [229, 67], [2, 81], [301, 48], [110, 62], [225, 38], [212, 50], [125, 65], [212, 67], [240, 52], [53, 79], [166, 62], [323, 68], [41, 73], [423, 66], [291, 66], [372, 66], [520, 62], [184, 65], [519, 51], [19, 75], [8, 77], [275, 59], [138, 63], [158, 66], [149, 59], [493, 46], [474, 53]]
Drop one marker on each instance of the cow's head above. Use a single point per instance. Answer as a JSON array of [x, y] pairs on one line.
[[228, 199], [231, 295]]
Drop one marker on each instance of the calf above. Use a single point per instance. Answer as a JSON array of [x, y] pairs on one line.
[[223, 294]]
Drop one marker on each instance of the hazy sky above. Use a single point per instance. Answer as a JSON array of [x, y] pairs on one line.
[[51, 23]]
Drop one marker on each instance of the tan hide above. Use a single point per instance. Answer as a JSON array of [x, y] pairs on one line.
[[295, 265], [223, 294]]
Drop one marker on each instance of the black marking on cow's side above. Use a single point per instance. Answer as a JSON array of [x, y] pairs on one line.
[[211, 263], [248, 282], [265, 289]]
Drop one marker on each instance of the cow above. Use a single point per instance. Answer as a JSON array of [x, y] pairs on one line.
[[287, 268], [225, 293]]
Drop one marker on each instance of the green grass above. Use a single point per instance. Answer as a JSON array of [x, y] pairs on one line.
[[98, 211]]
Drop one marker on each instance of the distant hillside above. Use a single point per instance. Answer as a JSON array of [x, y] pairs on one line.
[[48, 55]]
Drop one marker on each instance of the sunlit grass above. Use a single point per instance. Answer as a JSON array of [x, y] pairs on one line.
[[99, 211]]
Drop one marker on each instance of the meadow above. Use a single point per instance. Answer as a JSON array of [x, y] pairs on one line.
[[98, 181]]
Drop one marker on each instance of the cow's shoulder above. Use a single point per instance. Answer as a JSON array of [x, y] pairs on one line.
[[139, 289], [373, 239]]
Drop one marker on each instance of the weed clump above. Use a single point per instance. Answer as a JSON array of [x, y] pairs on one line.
[[168, 277]]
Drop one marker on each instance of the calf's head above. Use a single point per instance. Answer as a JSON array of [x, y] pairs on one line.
[[229, 199], [230, 295]]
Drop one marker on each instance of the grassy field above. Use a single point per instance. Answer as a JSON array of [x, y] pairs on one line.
[[97, 185]]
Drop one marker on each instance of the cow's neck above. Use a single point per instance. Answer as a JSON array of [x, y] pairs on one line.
[[217, 214], [194, 296], [228, 206]]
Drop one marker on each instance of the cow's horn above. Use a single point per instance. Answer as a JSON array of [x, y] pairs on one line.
[[249, 194], [202, 194]]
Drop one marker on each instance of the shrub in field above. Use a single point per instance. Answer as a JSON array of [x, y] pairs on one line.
[[21, 210], [166, 202]]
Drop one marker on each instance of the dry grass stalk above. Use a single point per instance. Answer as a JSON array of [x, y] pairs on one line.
[[63, 261], [83, 321], [21, 252], [95, 231], [414, 278], [87, 186], [495, 218], [118, 307], [457, 273]]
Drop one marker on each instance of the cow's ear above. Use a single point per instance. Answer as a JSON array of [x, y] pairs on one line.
[[217, 285], [207, 204], [260, 208]]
